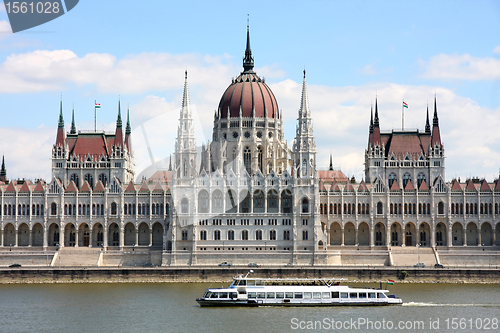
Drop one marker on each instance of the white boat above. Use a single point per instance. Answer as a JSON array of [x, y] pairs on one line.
[[248, 291]]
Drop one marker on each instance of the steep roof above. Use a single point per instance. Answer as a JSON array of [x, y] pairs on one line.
[[395, 186], [402, 144], [409, 186], [38, 187], [130, 187], [85, 187], [470, 186], [362, 186], [423, 186], [455, 186], [25, 187], [333, 175], [10, 187], [99, 187], [72, 187], [162, 176], [93, 144], [485, 186]]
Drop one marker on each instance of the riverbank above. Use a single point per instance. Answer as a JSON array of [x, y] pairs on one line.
[[225, 274]]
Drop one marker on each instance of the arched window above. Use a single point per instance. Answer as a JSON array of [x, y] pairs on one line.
[[203, 202], [260, 159], [391, 208], [272, 200], [392, 178], [304, 167], [113, 208], [380, 209], [203, 235], [453, 208], [247, 159], [217, 235], [90, 179], [244, 235], [406, 179], [286, 234], [321, 208], [420, 179], [103, 178], [286, 201], [272, 235], [230, 235], [53, 209], [258, 200], [184, 235], [258, 235], [305, 205], [185, 206], [305, 235], [74, 177]]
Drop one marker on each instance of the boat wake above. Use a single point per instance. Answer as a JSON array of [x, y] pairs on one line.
[[451, 305]]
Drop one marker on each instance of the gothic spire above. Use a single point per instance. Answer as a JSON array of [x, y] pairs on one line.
[[185, 95], [436, 136], [119, 132], [127, 128], [427, 125], [304, 111], [170, 164], [119, 119], [376, 123], [60, 138], [376, 127], [3, 171], [248, 59], [73, 127], [331, 163], [61, 118], [371, 119]]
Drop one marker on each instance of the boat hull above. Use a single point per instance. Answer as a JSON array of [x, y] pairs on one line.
[[254, 303]]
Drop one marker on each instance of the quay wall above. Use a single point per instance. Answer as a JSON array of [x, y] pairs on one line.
[[220, 274]]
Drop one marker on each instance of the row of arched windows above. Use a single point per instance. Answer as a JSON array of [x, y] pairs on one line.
[[410, 209], [244, 235], [336, 209], [98, 209], [22, 210], [470, 208], [89, 178]]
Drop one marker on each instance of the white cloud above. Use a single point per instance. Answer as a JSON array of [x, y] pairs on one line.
[[496, 49], [369, 70], [5, 29], [462, 67]]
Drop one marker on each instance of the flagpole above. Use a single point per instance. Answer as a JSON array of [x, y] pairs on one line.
[[403, 116], [95, 117]]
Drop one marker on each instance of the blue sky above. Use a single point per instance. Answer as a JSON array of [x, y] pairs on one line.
[[352, 51]]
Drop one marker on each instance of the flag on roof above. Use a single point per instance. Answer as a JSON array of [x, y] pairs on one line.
[[405, 105], [391, 282], [97, 105]]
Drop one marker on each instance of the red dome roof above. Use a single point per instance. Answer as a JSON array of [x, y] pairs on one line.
[[248, 92]]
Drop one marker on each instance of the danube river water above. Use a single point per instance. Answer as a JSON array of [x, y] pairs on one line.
[[171, 307]]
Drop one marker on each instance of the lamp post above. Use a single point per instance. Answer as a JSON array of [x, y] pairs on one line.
[[59, 254], [418, 251]]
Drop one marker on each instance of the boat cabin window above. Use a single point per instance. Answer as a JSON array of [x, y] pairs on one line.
[[234, 295], [371, 295], [362, 295], [344, 295], [207, 294], [280, 295], [250, 282], [260, 283], [288, 295], [270, 295], [317, 295], [242, 292], [261, 295], [222, 295], [353, 295], [252, 295], [242, 283], [335, 294], [235, 283], [381, 295], [326, 295], [306, 295], [214, 295], [298, 295]]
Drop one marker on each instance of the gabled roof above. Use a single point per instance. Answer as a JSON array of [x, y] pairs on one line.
[[99, 187], [144, 187], [335, 186], [162, 176], [349, 187], [497, 185], [158, 187], [25, 187], [333, 175], [39, 187], [362, 186], [130, 187], [403, 144], [409, 186], [423, 186], [85, 187], [395, 186], [470, 186], [93, 144], [72, 187], [455, 185], [321, 186], [485, 186]]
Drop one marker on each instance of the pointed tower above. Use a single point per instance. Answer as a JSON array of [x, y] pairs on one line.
[[305, 146], [185, 145], [128, 132], [60, 139], [119, 131], [436, 136], [3, 171], [427, 126], [375, 153], [73, 127], [60, 150], [436, 150], [370, 136], [376, 126], [248, 59], [331, 163]]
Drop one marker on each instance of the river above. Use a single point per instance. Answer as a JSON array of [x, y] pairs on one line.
[[171, 307]]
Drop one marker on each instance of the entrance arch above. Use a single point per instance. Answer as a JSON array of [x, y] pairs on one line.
[[441, 234], [143, 234], [396, 234], [410, 234], [380, 234], [97, 235], [349, 234], [9, 235], [364, 234], [335, 234], [157, 235], [486, 234], [472, 235], [54, 234], [424, 234], [23, 235], [84, 235], [129, 236], [37, 235], [69, 235], [457, 234], [114, 235]]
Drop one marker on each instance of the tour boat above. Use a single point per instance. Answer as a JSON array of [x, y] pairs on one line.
[[248, 291]]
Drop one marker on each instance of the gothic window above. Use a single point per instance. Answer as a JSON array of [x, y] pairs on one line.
[[103, 178], [185, 168], [247, 159], [286, 234], [244, 235], [184, 235], [392, 178], [272, 235], [185, 206], [286, 201], [305, 235], [217, 235], [272, 200], [90, 179], [260, 159], [258, 235], [305, 205], [420, 179], [304, 168], [258, 200], [53, 209], [406, 179], [74, 177], [453, 208], [391, 209], [230, 235], [203, 235], [113, 208], [380, 209], [245, 203], [203, 202]]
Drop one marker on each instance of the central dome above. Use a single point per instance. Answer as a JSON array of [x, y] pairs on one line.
[[248, 94]]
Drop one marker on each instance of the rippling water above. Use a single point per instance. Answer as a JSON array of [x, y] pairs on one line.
[[171, 307]]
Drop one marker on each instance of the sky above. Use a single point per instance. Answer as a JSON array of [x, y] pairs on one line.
[[353, 52]]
